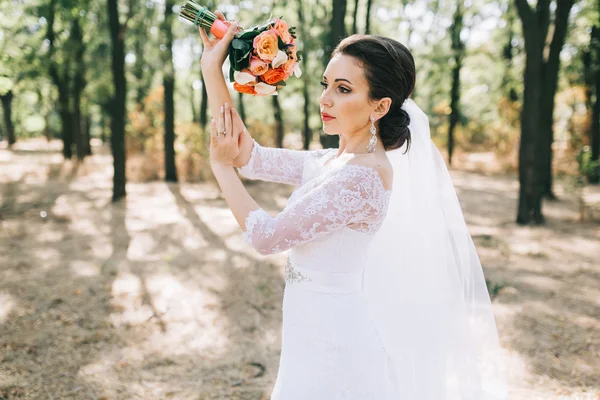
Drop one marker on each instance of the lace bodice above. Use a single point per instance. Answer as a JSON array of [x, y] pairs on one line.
[[349, 196]]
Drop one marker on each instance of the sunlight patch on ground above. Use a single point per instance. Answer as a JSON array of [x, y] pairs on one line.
[[541, 282], [101, 246], [141, 246], [50, 236], [220, 220], [149, 205], [49, 257], [7, 303], [85, 268]]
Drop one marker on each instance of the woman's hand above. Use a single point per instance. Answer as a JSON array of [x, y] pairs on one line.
[[224, 137], [246, 144], [215, 50]]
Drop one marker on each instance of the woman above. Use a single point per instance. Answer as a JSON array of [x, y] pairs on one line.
[[384, 295]]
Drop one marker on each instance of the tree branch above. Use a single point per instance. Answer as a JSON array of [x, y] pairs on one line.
[[543, 15], [561, 24], [525, 12]]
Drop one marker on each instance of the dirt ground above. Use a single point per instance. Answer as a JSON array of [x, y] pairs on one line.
[[158, 297]]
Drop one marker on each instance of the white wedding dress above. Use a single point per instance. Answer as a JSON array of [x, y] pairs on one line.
[[330, 347]]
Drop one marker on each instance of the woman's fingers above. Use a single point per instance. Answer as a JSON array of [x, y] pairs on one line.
[[221, 122], [220, 15], [237, 126], [204, 36], [228, 129]]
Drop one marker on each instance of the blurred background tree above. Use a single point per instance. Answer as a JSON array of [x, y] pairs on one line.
[[511, 80]]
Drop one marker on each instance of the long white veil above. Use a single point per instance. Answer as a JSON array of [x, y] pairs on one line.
[[425, 286]]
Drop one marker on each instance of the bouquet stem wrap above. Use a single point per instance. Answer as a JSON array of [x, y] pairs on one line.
[[201, 16]]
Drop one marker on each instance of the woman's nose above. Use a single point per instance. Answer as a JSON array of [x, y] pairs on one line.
[[324, 100]]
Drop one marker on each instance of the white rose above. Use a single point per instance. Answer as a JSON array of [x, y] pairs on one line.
[[243, 78], [280, 59], [297, 71], [265, 89]]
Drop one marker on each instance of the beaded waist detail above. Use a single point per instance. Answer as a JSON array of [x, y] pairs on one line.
[[327, 282]]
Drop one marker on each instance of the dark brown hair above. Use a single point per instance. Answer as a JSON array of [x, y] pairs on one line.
[[390, 71]]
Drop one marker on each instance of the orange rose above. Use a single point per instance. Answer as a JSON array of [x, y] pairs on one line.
[[258, 66], [274, 75], [291, 63], [266, 45], [284, 31], [288, 67], [247, 89]]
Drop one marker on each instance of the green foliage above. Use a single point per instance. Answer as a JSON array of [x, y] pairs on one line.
[[491, 86], [587, 167]]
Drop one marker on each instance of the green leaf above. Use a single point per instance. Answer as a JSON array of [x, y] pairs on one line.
[[239, 44], [280, 43], [247, 55], [244, 63], [250, 35]]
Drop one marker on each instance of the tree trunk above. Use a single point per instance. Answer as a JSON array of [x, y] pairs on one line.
[[595, 125], [279, 130], [78, 87], [508, 81], [530, 190], [338, 28], [87, 126], [538, 102], [195, 114], [204, 105], [455, 108], [169, 85], [117, 138], [61, 83], [143, 74], [368, 18], [355, 17], [66, 120], [336, 34], [241, 107], [306, 131], [7, 110], [458, 48], [550, 75], [138, 73]]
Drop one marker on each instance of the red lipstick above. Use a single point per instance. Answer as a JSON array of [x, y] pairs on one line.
[[326, 117]]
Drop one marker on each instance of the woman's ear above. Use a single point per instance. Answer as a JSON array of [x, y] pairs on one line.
[[383, 106]]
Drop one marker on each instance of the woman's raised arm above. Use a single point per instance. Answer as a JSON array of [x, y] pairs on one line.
[[214, 53], [277, 165]]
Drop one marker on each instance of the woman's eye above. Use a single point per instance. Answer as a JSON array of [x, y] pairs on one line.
[[342, 89]]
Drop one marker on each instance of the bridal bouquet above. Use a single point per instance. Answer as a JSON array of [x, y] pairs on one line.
[[261, 58]]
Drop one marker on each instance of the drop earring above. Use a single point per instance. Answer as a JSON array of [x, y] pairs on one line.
[[373, 140]]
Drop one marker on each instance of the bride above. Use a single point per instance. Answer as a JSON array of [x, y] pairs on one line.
[[385, 297]]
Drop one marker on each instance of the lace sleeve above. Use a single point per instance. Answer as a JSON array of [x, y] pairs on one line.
[[353, 197], [277, 165]]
